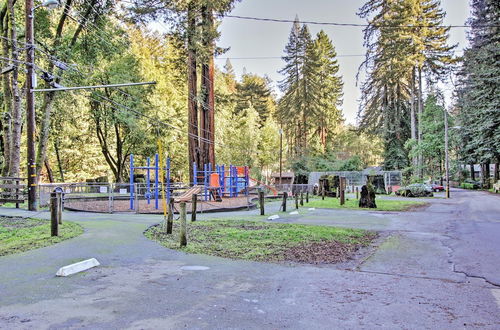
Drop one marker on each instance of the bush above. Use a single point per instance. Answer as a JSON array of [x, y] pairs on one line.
[[469, 184]]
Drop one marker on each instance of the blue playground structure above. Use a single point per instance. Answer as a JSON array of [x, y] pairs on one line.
[[149, 191], [215, 183], [222, 181]]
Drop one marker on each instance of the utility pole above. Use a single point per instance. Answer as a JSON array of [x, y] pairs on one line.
[[30, 105], [446, 161]]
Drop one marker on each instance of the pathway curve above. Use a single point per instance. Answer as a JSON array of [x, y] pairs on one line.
[[438, 268]]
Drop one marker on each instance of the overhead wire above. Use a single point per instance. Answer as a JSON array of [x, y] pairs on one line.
[[278, 20]]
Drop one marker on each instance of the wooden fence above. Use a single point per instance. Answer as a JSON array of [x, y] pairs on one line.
[[12, 190]]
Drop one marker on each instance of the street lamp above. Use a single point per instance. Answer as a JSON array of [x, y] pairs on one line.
[[30, 96]]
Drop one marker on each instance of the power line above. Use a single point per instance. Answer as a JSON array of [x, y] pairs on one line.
[[277, 20]]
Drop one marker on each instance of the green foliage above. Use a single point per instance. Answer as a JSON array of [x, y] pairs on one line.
[[393, 56], [310, 107], [478, 101], [254, 91], [432, 145]]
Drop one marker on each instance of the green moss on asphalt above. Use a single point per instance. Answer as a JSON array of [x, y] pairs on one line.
[[21, 234], [352, 204], [256, 240]]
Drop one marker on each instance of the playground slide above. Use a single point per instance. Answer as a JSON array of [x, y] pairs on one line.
[[186, 197], [275, 192]]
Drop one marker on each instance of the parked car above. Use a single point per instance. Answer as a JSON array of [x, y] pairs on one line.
[[437, 187], [415, 190]]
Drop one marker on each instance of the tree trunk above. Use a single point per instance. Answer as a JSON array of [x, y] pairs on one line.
[[50, 97], [420, 110], [207, 86], [486, 175], [15, 152], [193, 137], [497, 171], [43, 138], [472, 173], [412, 118], [49, 171], [59, 163], [7, 95]]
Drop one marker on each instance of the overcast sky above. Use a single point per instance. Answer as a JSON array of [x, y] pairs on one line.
[[268, 39]]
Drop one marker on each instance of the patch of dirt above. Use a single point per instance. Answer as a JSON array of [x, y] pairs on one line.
[[15, 222], [325, 252]]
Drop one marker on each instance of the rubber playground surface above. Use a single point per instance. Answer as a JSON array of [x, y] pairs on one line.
[[123, 205]]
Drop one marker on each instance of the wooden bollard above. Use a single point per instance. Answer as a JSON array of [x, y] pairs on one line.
[[59, 206], [342, 190], [338, 193], [170, 216], [357, 193], [261, 202], [285, 196], [54, 211], [307, 196], [183, 235], [323, 193], [301, 199], [296, 201], [194, 201]]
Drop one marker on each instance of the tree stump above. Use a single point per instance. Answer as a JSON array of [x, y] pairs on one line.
[[367, 199]]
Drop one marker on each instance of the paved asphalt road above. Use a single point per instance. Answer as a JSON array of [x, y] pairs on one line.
[[435, 268]]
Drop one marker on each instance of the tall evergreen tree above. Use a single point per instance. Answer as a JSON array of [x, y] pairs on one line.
[[405, 40], [254, 91], [328, 85], [478, 101]]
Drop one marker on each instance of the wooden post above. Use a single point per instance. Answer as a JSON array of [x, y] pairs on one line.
[[357, 192], [301, 199], [307, 196], [54, 208], [183, 236], [194, 201], [323, 193], [170, 216], [17, 193], [261, 202], [338, 192], [296, 201], [59, 207], [285, 196], [342, 191]]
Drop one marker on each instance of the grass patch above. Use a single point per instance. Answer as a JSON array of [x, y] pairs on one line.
[[352, 204], [22, 234], [262, 241]]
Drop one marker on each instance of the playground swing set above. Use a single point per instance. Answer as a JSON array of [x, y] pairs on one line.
[[215, 184]]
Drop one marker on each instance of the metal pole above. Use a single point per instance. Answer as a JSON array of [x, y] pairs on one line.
[[30, 106], [447, 170]]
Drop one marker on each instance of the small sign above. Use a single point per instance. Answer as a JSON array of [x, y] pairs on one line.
[[103, 190], [123, 191]]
